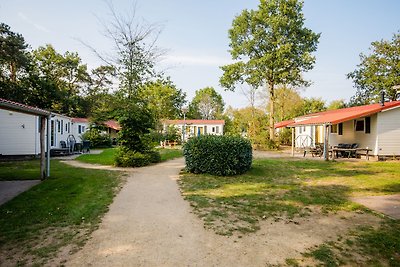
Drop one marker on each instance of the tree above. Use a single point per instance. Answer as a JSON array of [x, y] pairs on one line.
[[379, 71], [15, 65], [288, 103], [14, 55], [313, 105], [337, 104], [135, 50], [163, 99], [271, 46], [207, 104], [65, 75]]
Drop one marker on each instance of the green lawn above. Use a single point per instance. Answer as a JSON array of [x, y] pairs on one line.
[[107, 156], [62, 210], [282, 187], [20, 170], [275, 187]]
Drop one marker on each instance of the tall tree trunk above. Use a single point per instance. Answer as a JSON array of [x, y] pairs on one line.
[[271, 111], [13, 70]]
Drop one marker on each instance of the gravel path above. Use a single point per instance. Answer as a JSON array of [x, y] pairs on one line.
[[150, 224]]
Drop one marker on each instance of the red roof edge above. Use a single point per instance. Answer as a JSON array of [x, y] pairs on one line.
[[283, 124]]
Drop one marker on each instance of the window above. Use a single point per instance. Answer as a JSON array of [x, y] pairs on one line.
[[300, 130], [340, 129], [79, 129], [217, 129], [334, 128], [367, 125], [58, 126], [213, 129], [62, 126], [83, 128], [359, 125]]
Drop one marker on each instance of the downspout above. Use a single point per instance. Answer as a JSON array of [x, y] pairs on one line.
[[48, 146]]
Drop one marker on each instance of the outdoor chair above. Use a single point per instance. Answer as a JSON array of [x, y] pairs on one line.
[[86, 146]]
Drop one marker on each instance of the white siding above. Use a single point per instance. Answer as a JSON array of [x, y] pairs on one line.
[[75, 130], [389, 132], [304, 136], [18, 133], [350, 135]]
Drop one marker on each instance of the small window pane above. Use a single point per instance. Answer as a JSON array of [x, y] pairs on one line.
[[360, 126], [340, 129]]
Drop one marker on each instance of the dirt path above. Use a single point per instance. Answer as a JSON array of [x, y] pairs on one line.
[[149, 224]]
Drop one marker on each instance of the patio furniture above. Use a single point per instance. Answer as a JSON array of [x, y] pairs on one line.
[[86, 146]]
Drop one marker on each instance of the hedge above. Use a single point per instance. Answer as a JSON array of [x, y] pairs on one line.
[[218, 155], [129, 158]]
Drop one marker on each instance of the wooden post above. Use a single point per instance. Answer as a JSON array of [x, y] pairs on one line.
[[42, 147], [326, 142], [293, 141]]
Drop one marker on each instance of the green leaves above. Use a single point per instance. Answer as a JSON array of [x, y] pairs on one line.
[[377, 72], [272, 44], [218, 155], [207, 104]]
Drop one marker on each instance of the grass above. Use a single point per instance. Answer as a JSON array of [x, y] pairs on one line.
[[364, 246], [107, 156], [20, 170], [279, 187], [60, 211]]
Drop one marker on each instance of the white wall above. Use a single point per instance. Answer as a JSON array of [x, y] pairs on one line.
[[350, 135], [84, 126], [191, 128], [389, 132], [304, 136], [18, 133]]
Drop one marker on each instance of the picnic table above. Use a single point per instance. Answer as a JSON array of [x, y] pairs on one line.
[[349, 151]]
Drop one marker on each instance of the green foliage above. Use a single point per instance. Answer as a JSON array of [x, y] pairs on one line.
[[251, 123], [207, 104], [313, 105], [337, 104], [163, 99], [97, 137], [125, 157], [377, 72], [218, 155], [271, 46], [71, 202], [136, 123]]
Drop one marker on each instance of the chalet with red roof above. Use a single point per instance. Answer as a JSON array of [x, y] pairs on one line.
[[375, 127], [191, 128]]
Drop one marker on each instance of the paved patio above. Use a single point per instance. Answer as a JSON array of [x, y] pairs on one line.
[[389, 205], [10, 189]]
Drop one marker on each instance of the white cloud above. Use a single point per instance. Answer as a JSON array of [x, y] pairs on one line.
[[192, 60], [28, 20]]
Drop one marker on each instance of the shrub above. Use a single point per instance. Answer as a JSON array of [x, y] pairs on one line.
[[218, 155], [97, 138], [129, 158]]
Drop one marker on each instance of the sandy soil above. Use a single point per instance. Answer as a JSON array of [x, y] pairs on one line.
[[149, 224]]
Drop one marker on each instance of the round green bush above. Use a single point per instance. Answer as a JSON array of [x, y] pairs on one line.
[[129, 158], [218, 155]]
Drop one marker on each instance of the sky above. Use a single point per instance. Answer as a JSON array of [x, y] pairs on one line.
[[195, 36]]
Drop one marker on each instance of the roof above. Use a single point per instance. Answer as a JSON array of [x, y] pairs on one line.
[[283, 123], [195, 122], [81, 120], [14, 106], [112, 124], [338, 115]]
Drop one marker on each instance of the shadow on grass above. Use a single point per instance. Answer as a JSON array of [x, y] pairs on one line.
[[276, 187]]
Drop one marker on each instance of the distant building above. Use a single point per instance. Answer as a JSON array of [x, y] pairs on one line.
[[193, 128]]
